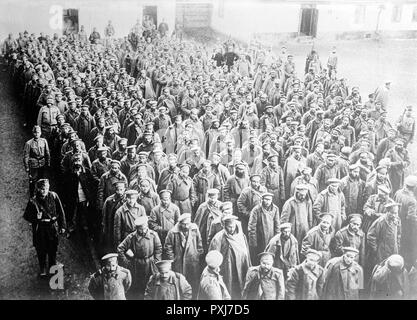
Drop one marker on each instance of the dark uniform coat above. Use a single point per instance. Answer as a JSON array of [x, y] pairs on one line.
[[342, 282], [264, 287], [147, 250], [305, 284], [110, 285], [185, 251], [175, 288]]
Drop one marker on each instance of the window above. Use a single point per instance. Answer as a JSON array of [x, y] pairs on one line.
[[414, 18], [396, 13], [360, 14]]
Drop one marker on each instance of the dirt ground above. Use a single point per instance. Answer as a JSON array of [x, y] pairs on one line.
[[364, 63]]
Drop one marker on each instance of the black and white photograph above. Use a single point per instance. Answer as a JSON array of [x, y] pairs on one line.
[[193, 150]]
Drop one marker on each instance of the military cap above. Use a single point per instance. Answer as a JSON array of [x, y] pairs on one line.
[[195, 148], [392, 204], [285, 225], [380, 167], [143, 220], [272, 156], [147, 133], [229, 217], [216, 154], [333, 181], [133, 146], [214, 259], [353, 166], [143, 153], [163, 263], [254, 175], [132, 192], [296, 147], [72, 131], [115, 162], [165, 191], [411, 181], [301, 187], [350, 249], [266, 253], [36, 128], [122, 141], [395, 261], [315, 253], [102, 149], [319, 111], [109, 127], [226, 205], [42, 182], [331, 155], [294, 123], [384, 189], [49, 99], [240, 164], [267, 194], [212, 191], [355, 217], [98, 137], [306, 170], [325, 214], [109, 256], [184, 216], [119, 182], [185, 164]]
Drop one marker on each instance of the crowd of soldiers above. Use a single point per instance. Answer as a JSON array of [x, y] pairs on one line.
[[215, 175]]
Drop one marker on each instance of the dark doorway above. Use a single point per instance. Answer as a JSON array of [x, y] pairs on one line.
[[308, 24], [70, 19], [150, 13]]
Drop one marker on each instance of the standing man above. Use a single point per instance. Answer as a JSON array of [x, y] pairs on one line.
[[164, 216], [383, 238], [46, 215], [285, 248], [272, 177], [382, 94], [263, 225], [406, 197], [167, 284], [306, 281], [390, 279], [249, 198], [344, 277], [109, 32], [353, 189], [36, 158], [399, 162], [264, 282], [333, 201], [351, 236], [139, 252], [319, 237], [232, 244], [182, 188], [298, 211], [111, 282], [183, 246], [212, 286], [125, 216], [406, 125]]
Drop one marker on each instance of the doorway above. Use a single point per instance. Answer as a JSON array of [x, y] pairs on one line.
[[70, 21], [150, 14], [308, 24]]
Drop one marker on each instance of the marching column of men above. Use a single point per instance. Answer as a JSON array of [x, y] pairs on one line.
[[205, 181]]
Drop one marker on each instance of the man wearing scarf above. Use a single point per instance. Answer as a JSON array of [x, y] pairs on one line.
[[232, 244]]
